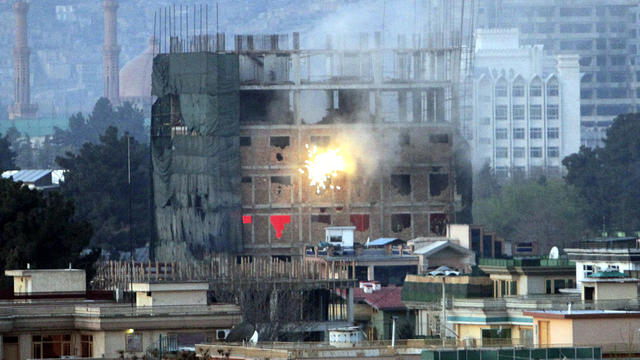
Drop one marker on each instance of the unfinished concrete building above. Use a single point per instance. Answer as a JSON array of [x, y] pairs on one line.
[[230, 125]]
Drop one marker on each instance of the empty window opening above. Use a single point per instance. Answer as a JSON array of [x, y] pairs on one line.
[[245, 141], [400, 222], [325, 219], [247, 180], [437, 223], [438, 183], [278, 144], [279, 141], [401, 183]]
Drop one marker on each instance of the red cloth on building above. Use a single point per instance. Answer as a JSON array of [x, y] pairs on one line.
[[360, 221], [278, 222], [246, 219]]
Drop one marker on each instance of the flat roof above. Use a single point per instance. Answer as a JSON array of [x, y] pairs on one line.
[[27, 272], [583, 314]]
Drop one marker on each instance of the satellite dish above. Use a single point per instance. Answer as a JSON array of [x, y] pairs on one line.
[[554, 253]]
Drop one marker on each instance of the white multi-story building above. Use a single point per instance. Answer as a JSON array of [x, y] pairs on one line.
[[603, 33], [526, 115]]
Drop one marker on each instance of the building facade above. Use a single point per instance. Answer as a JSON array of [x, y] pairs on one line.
[[604, 34], [256, 110], [526, 106]]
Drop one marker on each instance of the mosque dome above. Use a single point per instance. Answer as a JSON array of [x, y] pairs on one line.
[[135, 76]]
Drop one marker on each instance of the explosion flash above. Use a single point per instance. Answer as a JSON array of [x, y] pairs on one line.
[[322, 167]]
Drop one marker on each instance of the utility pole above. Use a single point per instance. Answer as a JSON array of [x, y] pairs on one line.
[[443, 321], [131, 257]]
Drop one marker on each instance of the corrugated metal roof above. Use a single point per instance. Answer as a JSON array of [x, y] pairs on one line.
[[33, 175]]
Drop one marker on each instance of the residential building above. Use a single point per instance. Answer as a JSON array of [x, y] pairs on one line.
[[518, 285], [609, 286], [375, 309], [528, 276], [526, 105], [604, 34], [614, 331], [604, 253], [51, 314], [423, 295]]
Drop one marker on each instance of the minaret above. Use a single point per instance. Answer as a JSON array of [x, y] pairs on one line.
[[111, 51], [22, 107]]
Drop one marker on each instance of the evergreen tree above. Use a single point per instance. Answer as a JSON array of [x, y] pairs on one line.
[[7, 156], [608, 178], [39, 228], [98, 181]]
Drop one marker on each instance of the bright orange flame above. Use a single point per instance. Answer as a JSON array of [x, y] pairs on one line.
[[322, 167]]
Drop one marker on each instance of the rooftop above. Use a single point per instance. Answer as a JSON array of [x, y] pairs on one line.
[[387, 298], [582, 314], [526, 262]]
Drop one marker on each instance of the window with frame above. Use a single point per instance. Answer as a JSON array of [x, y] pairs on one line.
[[553, 133], [536, 152], [502, 152], [553, 152], [518, 133], [501, 134], [587, 270], [518, 112], [535, 112], [535, 133], [50, 346], [518, 152], [535, 89], [552, 112], [518, 89], [501, 89], [86, 346], [501, 112], [552, 89]]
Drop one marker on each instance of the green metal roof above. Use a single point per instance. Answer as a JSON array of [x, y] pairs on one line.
[[38, 127]]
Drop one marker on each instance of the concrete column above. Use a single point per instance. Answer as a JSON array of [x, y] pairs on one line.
[[350, 305], [111, 52], [371, 273]]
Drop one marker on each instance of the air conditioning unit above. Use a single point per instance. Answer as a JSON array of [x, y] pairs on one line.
[[222, 334]]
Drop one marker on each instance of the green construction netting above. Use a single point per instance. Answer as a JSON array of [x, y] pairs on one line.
[[195, 155]]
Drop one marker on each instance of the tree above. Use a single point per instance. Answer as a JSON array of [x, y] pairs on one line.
[[39, 228], [97, 179], [7, 156], [608, 178], [546, 212]]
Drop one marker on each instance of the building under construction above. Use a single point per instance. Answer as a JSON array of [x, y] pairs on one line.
[[233, 123]]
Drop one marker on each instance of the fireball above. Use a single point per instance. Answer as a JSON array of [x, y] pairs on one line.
[[322, 167]]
